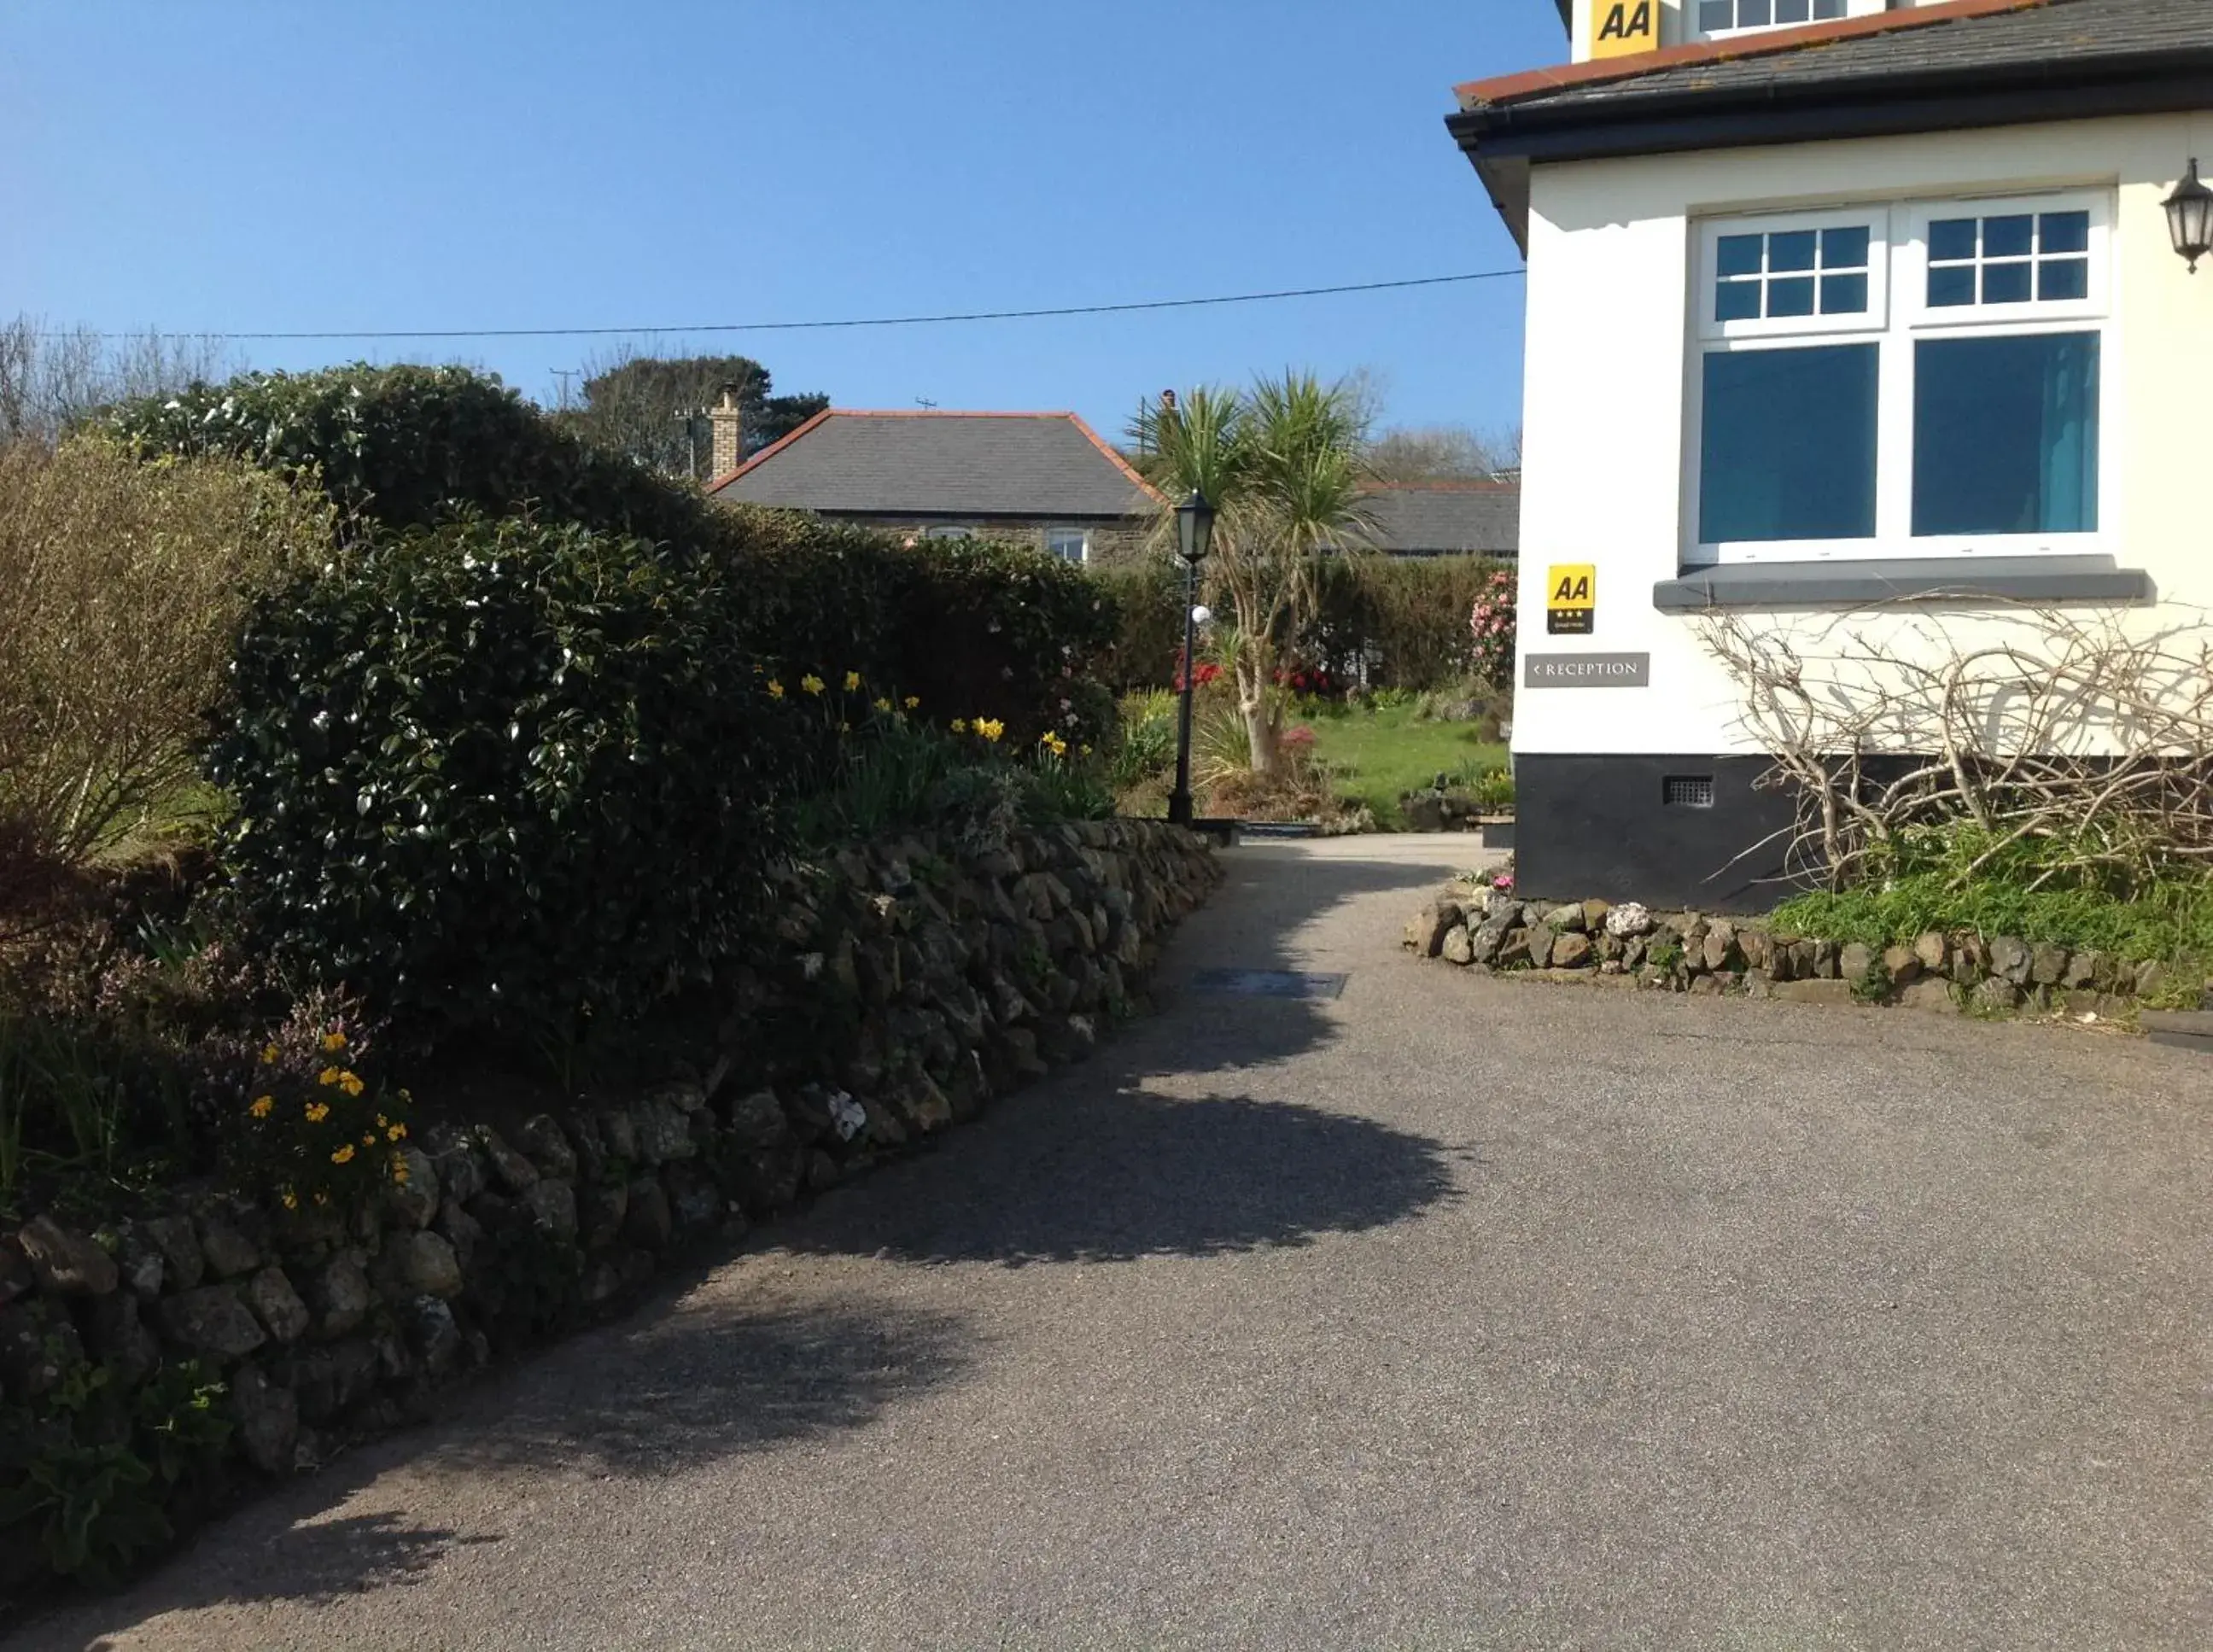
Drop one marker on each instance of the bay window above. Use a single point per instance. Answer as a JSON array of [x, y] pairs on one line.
[[1909, 381]]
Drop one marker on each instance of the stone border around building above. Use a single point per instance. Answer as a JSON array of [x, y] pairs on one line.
[[1599, 942]]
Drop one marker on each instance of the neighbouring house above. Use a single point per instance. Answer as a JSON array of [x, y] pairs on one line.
[[1044, 479], [1445, 519], [1854, 331]]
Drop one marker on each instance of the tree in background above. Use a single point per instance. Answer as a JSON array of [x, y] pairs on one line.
[[651, 408], [50, 379], [1445, 452], [1284, 465]]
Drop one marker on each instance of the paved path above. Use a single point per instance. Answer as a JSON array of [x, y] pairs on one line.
[[1450, 1314]]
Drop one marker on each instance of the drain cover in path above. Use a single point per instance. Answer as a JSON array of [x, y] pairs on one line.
[[1268, 983]]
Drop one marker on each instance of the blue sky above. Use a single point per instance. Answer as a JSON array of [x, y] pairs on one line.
[[230, 166]]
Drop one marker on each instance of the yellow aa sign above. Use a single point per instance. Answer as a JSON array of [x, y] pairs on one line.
[[1621, 27], [1570, 598]]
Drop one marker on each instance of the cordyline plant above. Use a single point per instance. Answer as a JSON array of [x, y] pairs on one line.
[[1282, 465]]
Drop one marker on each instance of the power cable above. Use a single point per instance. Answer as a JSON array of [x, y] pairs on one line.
[[860, 321]]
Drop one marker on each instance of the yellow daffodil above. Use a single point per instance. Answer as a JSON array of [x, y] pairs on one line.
[[350, 1083], [960, 727], [398, 1171], [269, 1053], [328, 1077], [852, 681], [344, 1155], [774, 689], [291, 1200], [263, 1105], [883, 705], [913, 700], [811, 683], [322, 1198], [1053, 743], [318, 1111], [395, 1133], [334, 1042], [991, 728]]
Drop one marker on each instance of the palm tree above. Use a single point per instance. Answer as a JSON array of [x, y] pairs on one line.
[[1282, 467]]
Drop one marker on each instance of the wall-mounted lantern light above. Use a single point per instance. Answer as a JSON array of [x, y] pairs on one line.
[[2190, 218]]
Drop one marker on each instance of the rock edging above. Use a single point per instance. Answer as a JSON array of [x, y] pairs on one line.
[[1947, 972]]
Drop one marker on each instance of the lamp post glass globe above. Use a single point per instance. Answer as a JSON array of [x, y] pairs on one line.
[[1194, 527], [2189, 218], [1202, 615]]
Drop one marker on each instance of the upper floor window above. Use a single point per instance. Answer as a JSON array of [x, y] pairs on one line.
[[1728, 17], [1910, 381]]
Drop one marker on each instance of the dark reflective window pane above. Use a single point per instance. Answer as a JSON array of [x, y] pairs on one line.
[[1750, 14], [2005, 283], [2005, 435], [1792, 11], [2058, 279], [1716, 13], [1736, 300], [1787, 445], [1951, 238], [1793, 296], [1793, 251], [1844, 294], [1826, 8], [1954, 286], [1844, 249], [2063, 232], [1739, 254], [2008, 237]]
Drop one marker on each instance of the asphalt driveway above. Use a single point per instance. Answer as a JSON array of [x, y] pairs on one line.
[[1447, 1313]]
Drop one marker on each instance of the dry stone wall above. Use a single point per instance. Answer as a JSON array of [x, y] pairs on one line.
[[909, 985], [1629, 945]]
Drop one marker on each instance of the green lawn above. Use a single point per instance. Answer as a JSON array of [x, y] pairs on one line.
[[1379, 754]]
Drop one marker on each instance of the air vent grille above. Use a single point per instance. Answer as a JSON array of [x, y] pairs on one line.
[[1687, 791]]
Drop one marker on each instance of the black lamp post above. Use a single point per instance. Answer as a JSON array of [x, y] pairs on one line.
[[2189, 218], [1194, 534]]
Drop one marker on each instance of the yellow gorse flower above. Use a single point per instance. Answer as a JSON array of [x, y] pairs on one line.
[[344, 1155], [262, 1105], [811, 683], [852, 681], [334, 1042], [774, 689]]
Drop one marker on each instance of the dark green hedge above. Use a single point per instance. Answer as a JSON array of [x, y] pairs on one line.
[[402, 447], [1411, 612], [506, 773]]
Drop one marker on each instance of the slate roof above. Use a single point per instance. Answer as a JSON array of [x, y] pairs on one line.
[[1446, 518], [2061, 37], [942, 464]]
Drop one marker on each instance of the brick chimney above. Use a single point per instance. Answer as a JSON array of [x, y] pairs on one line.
[[729, 421]]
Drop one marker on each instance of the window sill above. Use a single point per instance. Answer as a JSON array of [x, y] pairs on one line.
[[1813, 584]]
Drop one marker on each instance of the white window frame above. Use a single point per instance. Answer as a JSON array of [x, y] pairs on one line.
[[1692, 32], [1902, 230], [1082, 535]]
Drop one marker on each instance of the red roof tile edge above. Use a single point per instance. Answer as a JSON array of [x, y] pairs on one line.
[[1531, 82]]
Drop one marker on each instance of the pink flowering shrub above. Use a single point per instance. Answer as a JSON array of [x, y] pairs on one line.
[[1491, 623]]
